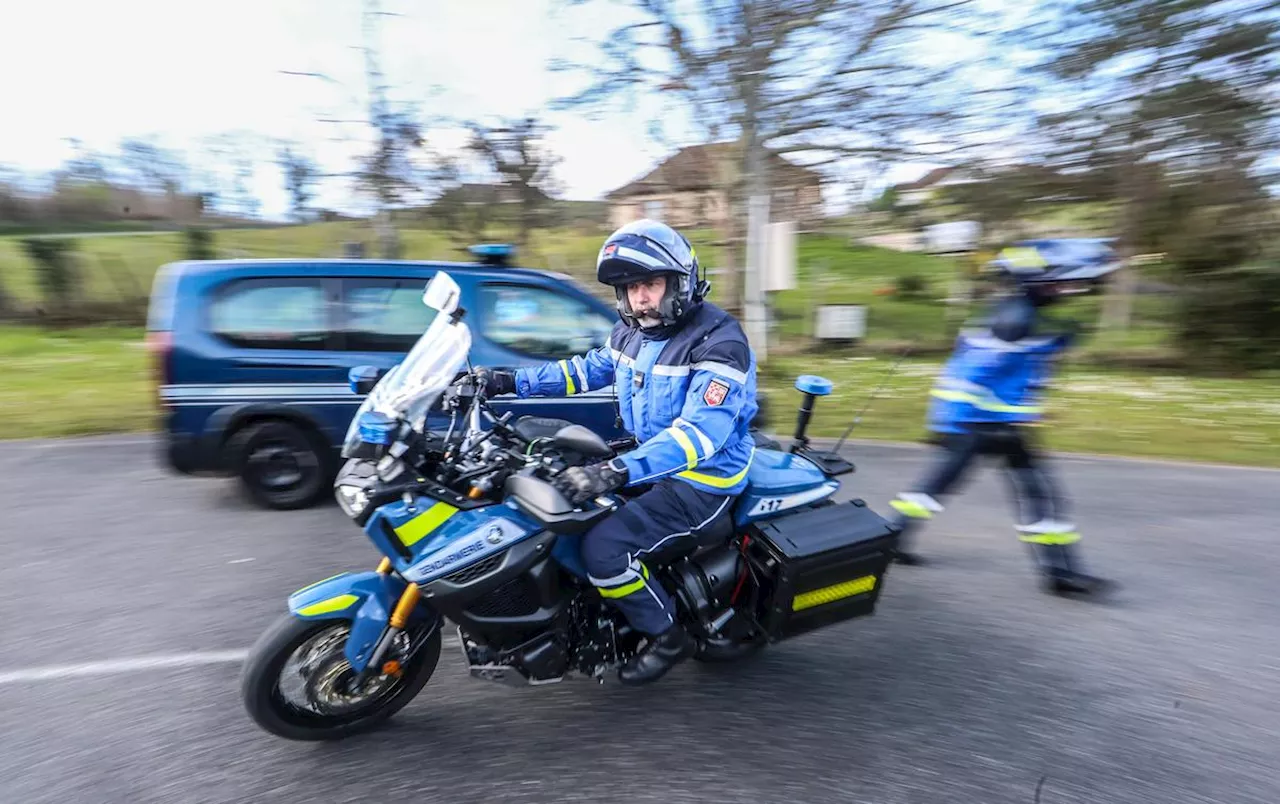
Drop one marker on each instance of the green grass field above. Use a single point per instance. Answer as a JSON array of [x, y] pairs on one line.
[[830, 270], [1088, 410], [90, 381], [73, 382], [95, 380], [120, 266]]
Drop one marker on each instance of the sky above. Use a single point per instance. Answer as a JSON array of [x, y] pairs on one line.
[[183, 71]]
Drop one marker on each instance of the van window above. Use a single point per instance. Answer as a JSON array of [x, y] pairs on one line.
[[541, 323], [384, 315], [283, 313], [160, 307]]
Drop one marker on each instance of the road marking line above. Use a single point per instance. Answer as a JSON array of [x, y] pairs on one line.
[[113, 666], [136, 664], [74, 441], [1080, 457]]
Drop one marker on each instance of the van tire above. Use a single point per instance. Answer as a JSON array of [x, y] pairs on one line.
[[280, 465]]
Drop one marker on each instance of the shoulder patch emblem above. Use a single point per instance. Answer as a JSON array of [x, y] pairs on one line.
[[715, 393]]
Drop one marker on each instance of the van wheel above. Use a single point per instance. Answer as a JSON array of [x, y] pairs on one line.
[[279, 464]]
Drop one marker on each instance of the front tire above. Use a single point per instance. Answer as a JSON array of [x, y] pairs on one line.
[[324, 720]]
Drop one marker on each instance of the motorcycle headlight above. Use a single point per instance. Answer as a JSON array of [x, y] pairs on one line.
[[352, 499]]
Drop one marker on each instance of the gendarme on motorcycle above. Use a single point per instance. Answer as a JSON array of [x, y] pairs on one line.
[[473, 532]]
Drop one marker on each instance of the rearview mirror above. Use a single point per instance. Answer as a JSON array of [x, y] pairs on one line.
[[362, 379], [442, 293]]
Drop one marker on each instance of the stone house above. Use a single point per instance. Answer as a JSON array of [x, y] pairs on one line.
[[924, 190], [685, 191]]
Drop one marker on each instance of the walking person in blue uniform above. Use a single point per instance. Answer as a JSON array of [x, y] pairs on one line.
[[686, 385], [983, 405]]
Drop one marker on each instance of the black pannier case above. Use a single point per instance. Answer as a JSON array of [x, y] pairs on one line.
[[820, 566]]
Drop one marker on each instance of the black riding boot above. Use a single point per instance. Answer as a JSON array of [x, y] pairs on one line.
[[663, 652], [902, 553], [1059, 565]]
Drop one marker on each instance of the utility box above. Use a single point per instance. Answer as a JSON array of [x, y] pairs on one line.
[[952, 237], [840, 322]]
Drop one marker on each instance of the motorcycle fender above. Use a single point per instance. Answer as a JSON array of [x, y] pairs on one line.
[[364, 598]]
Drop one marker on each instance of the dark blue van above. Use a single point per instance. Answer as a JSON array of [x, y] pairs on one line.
[[251, 356]]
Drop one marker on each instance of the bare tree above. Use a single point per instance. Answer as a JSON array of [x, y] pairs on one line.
[[397, 169], [232, 157], [151, 167], [15, 207], [517, 152], [300, 176], [85, 167], [829, 81], [465, 211], [1168, 110], [81, 187]]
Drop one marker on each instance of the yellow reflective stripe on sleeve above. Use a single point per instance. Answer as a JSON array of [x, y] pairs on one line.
[[719, 482], [707, 446], [983, 403], [911, 509], [328, 606], [628, 588], [1050, 538], [830, 594], [686, 443], [417, 529], [568, 380]]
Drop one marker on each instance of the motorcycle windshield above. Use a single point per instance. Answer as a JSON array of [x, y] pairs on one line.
[[410, 389]]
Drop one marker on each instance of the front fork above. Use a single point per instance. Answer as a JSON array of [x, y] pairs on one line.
[[395, 626]]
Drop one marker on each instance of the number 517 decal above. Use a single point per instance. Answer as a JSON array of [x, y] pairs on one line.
[[769, 505]]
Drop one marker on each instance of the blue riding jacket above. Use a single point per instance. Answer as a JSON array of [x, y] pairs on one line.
[[992, 380], [688, 399]]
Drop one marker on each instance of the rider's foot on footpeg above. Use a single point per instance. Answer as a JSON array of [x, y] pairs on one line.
[[661, 654]]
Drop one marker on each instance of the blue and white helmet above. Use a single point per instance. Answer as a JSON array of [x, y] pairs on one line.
[[646, 248], [1041, 269]]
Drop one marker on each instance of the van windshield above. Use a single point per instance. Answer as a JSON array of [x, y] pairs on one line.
[[416, 383], [410, 389]]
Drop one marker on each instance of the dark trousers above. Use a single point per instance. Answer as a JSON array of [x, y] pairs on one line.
[[1040, 506], [614, 551]]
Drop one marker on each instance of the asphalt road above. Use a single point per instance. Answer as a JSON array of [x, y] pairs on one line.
[[968, 685]]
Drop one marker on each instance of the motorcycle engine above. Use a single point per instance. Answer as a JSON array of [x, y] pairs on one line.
[[707, 580]]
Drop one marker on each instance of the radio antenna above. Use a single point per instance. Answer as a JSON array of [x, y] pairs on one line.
[[858, 419]]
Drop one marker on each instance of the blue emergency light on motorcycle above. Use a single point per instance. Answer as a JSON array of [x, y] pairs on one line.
[[374, 433], [812, 384], [375, 428]]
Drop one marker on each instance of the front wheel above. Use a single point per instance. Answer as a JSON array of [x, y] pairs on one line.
[[280, 465], [295, 683]]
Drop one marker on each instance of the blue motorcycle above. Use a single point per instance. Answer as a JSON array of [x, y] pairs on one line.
[[474, 534]]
